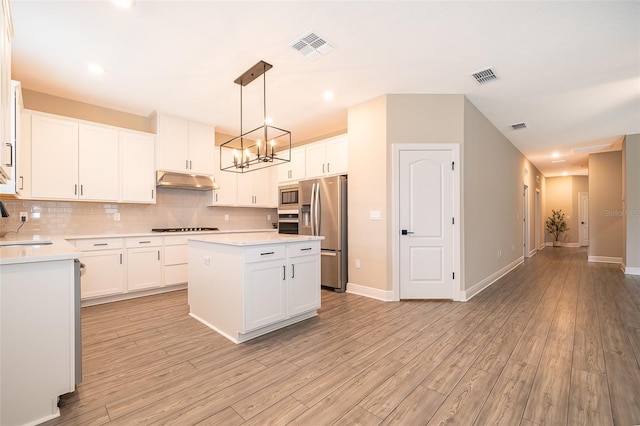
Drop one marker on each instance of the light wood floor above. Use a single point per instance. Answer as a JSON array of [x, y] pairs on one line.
[[556, 341]]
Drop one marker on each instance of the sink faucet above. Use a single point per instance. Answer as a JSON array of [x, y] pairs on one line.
[[3, 211]]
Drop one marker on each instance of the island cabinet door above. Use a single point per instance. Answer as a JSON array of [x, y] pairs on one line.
[[265, 293], [304, 284]]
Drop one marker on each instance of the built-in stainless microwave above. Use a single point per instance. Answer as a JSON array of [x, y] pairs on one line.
[[288, 197], [288, 209]]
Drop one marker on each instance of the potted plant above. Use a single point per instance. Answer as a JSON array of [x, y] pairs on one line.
[[556, 225]]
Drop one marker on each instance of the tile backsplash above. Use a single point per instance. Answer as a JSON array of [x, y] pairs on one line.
[[174, 208]]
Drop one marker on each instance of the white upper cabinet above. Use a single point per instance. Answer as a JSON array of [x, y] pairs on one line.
[[184, 146], [77, 160], [5, 96], [254, 188], [329, 157], [201, 148], [227, 182], [137, 153], [294, 170], [54, 158], [73, 161], [98, 163], [10, 148]]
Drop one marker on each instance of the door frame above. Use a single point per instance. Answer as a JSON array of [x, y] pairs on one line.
[[581, 235], [395, 212], [525, 221], [538, 217]]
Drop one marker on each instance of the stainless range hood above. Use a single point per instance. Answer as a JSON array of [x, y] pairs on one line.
[[166, 179]]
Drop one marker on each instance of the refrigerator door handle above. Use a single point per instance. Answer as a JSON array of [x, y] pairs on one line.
[[311, 208], [317, 210]]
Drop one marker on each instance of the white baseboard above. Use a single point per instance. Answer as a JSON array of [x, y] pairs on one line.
[[550, 244], [477, 288], [605, 259], [532, 252], [630, 270], [373, 293]]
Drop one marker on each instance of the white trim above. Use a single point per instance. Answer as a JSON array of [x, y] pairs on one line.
[[477, 288], [605, 259], [132, 295], [532, 252], [550, 244], [395, 214], [630, 270], [373, 293]]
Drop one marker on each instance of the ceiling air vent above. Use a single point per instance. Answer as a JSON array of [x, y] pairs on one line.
[[484, 76], [518, 126], [312, 45]]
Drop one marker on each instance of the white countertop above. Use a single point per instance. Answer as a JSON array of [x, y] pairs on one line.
[[59, 249], [165, 234], [253, 238]]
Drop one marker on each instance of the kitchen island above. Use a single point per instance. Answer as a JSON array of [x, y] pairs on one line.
[[247, 285], [39, 306]]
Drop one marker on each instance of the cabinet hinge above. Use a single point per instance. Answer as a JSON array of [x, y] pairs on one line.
[[454, 275], [453, 165], [453, 220]]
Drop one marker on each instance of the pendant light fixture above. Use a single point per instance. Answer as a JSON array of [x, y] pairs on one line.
[[264, 146]]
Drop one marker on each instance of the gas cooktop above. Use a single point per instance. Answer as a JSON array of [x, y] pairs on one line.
[[197, 228]]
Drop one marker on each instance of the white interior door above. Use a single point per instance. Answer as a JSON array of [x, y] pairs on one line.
[[426, 207], [525, 221], [583, 218]]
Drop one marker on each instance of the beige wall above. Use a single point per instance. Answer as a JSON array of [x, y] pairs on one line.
[[631, 207], [55, 105], [374, 126], [605, 205], [367, 188], [562, 194], [494, 175]]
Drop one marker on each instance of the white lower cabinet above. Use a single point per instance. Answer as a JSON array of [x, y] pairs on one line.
[[265, 289], [104, 267], [104, 274], [144, 263], [245, 292], [175, 260], [303, 268]]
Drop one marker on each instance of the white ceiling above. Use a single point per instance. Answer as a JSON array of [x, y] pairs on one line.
[[569, 70]]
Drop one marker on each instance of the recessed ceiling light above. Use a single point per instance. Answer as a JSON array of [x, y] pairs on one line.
[[95, 68], [565, 173], [555, 155], [125, 4], [328, 95]]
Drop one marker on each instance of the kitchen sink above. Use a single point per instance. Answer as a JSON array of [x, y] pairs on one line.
[[25, 243]]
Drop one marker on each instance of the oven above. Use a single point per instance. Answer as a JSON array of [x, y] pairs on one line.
[[288, 221]]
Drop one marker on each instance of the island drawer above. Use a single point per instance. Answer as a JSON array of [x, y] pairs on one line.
[[270, 252], [143, 242], [99, 244], [303, 249]]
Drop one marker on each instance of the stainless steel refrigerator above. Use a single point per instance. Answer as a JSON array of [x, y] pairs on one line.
[[323, 211]]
